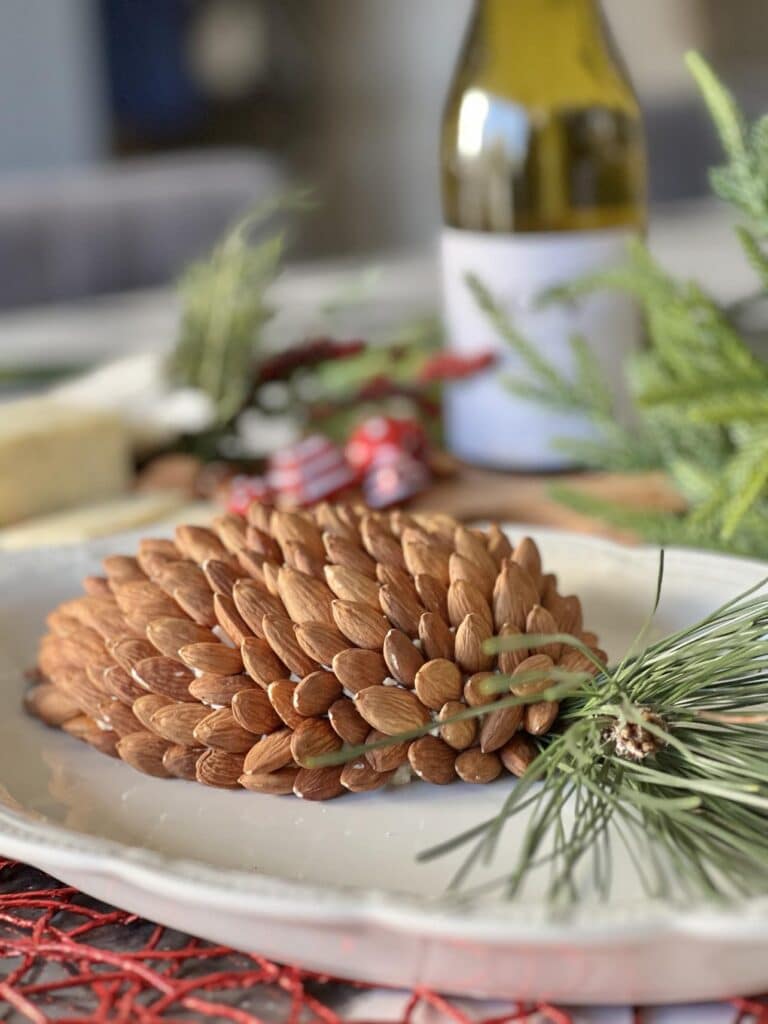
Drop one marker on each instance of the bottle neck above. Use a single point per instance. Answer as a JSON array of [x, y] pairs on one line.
[[549, 27]]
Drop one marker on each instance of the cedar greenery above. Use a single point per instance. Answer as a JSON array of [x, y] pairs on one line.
[[701, 394]]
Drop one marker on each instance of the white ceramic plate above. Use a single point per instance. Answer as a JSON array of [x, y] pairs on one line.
[[335, 887]]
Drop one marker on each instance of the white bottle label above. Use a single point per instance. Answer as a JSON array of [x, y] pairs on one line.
[[485, 422]]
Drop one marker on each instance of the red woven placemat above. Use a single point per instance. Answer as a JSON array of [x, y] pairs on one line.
[[69, 959]]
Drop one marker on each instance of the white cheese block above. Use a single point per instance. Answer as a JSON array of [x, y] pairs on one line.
[[54, 455]]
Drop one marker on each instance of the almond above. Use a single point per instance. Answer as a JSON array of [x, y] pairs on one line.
[[97, 586], [253, 710], [509, 660], [471, 636], [379, 542], [574, 661], [259, 514], [220, 576], [180, 574], [539, 620], [260, 661], [476, 767], [426, 557], [358, 777], [527, 556], [169, 635], [165, 676], [475, 693], [218, 690], [221, 730], [400, 521], [122, 686], [219, 768], [458, 735], [519, 754], [153, 562], [403, 658], [385, 759], [177, 722], [231, 531], [299, 557], [269, 754], [460, 568], [321, 643], [514, 594], [314, 694], [436, 638], [294, 526], [437, 682], [350, 585], [538, 665], [464, 598], [390, 709], [498, 727], [402, 609], [548, 588], [318, 783], [181, 762], [280, 696], [279, 783], [84, 728], [539, 718], [199, 543], [474, 549], [281, 637], [499, 547], [433, 594], [270, 572], [144, 752], [230, 620], [117, 717], [346, 721], [159, 545], [395, 577], [51, 705], [328, 520], [344, 552], [214, 658], [262, 544], [252, 565], [122, 568], [362, 626], [253, 602], [312, 738], [145, 707], [432, 760], [566, 611], [305, 599], [357, 669]]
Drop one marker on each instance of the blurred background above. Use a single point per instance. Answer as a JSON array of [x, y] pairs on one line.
[[131, 133]]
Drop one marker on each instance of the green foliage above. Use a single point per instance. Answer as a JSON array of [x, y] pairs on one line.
[[701, 395]]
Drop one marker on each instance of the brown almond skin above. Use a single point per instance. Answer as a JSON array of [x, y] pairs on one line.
[[539, 620], [347, 722], [145, 707], [458, 735], [259, 514], [358, 777], [280, 695], [514, 594], [270, 753], [402, 609], [464, 599], [499, 547], [261, 663], [221, 731], [402, 657], [210, 689], [253, 710], [360, 624], [278, 783], [314, 737], [305, 599], [539, 718], [287, 525], [510, 660], [220, 576], [142, 601], [519, 754], [471, 635], [320, 642], [498, 727], [379, 543], [197, 602], [432, 760], [527, 556], [298, 556], [122, 686], [574, 661], [315, 693], [166, 677], [534, 663], [318, 783], [170, 634], [219, 768], [51, 705], [117, 716], [341, 551], [437, 682], [144, 752], [385, 759], [216, 658], [350, 585], [474, 549], [122, 568], [231, 621], [83, 728], [395, 577], [478, 768], [281, 637], [474, 693], [181, 762], [199, 543], [177, 723], [97, 586], [128, 653], [433, 594], [356, 669], [461, 568], [253, 602], [391, 709], [437, 641], [426, 557], [260, 542], [566, 611]]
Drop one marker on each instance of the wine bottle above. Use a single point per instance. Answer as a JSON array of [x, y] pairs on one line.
[[543, 180]]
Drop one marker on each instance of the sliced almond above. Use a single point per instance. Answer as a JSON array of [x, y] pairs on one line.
[[464, 598], [269, 754], [477, 767], [215, 658], [514, 594], [222, 731], [402, 608], [527, 556], [230, 620], [341, 551], [315, 693], [358, 777], [181, 761], [350, 585], [538, 666], [320, 642], [169, 635], [281, 637], [539, 718], [144, 752], [318, 783], [437, 682], [471, 636], [432, 760], [539, 620], [385, 759], [314, 737], [433, 594], [437, 641], [403, 658], [305, 599], [219, 768], [253, 602], [253, 710], [356, 668], [362, 626], [510, 660], [279, 783], [498, 727], [347, 722], [280, 696], [390, 709], [519, 754], [261, 663], [199, 543], [458, 735], [177, 722], [218, 690], [220, 576]]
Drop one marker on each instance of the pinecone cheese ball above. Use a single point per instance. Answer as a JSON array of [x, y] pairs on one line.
[[236, 655]]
